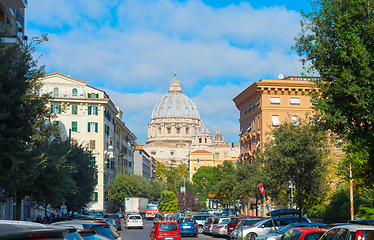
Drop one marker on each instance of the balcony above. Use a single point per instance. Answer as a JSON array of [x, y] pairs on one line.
[[14, 3], [12, 33]]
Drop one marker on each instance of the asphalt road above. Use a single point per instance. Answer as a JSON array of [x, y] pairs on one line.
[[143, 234]]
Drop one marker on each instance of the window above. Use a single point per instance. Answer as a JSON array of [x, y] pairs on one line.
[[199, 140], [202, 163], [186, 130], [56, 123], [172, 153], [169, 130], [153, 152], [295, 101], [92, 144], [92, 127], [107, 164], [178, 130], [295, 120], [216, 156], [275, 101], [92, 95], [93, 162], [96, 197], [205, 140], [74, 92], [93, 110], [207, 162], [74, 126], [56, 108], [275, 120], [112, 165], [56, 92], [74, 109]]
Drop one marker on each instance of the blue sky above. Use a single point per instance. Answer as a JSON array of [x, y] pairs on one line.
[[131, 48]]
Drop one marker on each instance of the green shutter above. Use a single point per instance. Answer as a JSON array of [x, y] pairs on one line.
[[89, 110], [51, 108], [108, 130], [97, 179], [59, 108], [74, 109], [89, 127], [97, 95], [74, 126], [88, 95], [96, 197], [96, 111], [96, 127]]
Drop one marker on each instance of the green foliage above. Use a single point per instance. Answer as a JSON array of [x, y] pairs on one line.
[[168, 202], [248, 177], [337, 39], [296, 153], [338, 208], [366, 207], [204, 180], [154, 190], [84, 176], [127, 185], [226, 184], [171, 176]]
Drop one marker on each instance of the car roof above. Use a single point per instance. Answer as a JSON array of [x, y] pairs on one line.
[[21, 230], [354, 227], [309, 229]]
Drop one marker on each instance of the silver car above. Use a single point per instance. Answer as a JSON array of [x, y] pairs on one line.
[[220, 229], [266, 226], [274, 236], [245, 222]]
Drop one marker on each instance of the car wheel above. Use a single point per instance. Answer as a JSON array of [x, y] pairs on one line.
[[251, 236], [200, 229]]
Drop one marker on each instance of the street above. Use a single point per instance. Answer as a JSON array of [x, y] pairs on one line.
[[142, 234]]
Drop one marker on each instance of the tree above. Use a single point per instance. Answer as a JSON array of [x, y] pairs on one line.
[[154, 190], [366, 208], [187, 202], [224, 188], [204, 180], [168, 202], [22, 115], [296, 154], [127, 185], [337, 38], [83, 174]]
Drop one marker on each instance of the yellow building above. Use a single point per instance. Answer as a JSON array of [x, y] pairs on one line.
[[264, 105], [210, 158], [89, 116]]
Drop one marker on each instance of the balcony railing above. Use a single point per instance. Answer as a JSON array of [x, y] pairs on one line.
[[13, 33]]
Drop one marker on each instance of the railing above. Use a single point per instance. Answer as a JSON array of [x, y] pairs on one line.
[[12, 33]]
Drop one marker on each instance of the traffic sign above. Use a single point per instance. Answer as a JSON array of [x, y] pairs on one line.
[[262, 190]]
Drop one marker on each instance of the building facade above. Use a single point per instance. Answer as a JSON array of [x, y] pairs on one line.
[[90, 118], [176, 130], [12, 21], [144, 164]]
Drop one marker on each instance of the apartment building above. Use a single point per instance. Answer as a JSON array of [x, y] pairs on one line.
[[88, 116], [12, 21], [144, 164], [267, 103]]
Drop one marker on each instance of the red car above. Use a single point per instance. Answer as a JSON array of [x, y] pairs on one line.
[[303, 233], [231, 225], [165, 230]]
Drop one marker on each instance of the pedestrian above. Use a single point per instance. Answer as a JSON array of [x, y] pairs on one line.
[[39, 219]]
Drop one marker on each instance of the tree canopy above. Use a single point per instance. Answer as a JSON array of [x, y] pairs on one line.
[[337, 39], [296, 155]]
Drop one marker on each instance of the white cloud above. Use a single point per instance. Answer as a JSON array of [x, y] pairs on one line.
[[131, 48]]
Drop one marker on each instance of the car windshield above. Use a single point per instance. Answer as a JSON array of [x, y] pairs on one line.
[[135, 217], [313, 236], [233, 221], [259, 223], [284, 229], [168, 227], [226, 221], [248, 222], [105, 231], [186, 221], [152, 207]]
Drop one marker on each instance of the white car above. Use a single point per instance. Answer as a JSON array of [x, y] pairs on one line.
[[134, 221]]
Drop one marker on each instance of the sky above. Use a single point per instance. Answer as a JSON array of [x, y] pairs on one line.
[[131, 49]]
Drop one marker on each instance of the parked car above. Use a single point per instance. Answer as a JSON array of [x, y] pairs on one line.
[[266, 226], [245, 222], [116, 219], [208, 225], [363, 221], [165, 230], [187, 226], [11, 229], [200, 220], [303, 233], [89, 235], [280, 232], [120, 214], [349, 232], [220, 229], [134, 221], [100, 226], [231, 225]]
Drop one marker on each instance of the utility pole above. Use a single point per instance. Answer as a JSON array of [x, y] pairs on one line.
[[351, 187]]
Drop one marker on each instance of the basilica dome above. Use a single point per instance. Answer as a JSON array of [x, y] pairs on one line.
[[175, 104]]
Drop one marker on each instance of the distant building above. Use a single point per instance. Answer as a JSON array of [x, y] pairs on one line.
[[12, 21], [93, 120], [176, 130], [144, 164]]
